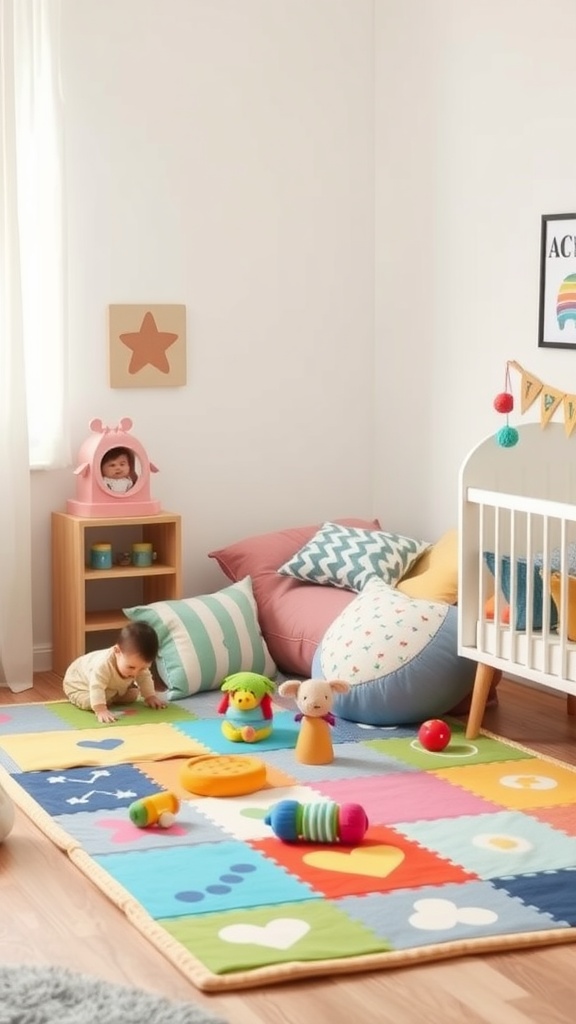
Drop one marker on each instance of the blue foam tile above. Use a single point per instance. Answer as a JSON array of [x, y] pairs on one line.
[[453, 912], [209, 732], [80, 789], [348, 732], [551, 892], [113, 832], [351, 761], [24, 718], [203, 879]]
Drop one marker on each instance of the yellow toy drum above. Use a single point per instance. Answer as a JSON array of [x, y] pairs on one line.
[[223, 775]]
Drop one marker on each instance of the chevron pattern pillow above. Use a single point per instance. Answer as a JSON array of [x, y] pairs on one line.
[[347, 557]]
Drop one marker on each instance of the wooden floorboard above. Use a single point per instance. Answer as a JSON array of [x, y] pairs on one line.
[[51, 914]]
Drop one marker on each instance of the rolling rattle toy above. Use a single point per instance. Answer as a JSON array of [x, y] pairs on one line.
[[157, 809], [326, 822]]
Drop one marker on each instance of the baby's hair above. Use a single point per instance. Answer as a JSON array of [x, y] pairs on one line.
[[139, 638], [115, 453]]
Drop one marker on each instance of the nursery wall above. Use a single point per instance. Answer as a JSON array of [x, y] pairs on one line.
[[474, 142], [219, 153], [346, 195]]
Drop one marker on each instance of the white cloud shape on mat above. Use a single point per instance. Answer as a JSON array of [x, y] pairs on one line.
[[442, 915], [281, 933]]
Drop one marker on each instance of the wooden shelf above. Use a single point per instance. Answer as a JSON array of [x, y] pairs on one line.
[[119, 572], [74, 582]]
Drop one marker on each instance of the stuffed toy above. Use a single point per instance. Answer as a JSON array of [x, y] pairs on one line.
[[247, 706], [314, 699]]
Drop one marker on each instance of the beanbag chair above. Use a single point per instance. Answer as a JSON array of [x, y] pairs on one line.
[[400, 656]]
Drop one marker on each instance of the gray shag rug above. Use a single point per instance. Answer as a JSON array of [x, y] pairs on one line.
[[55, 995]]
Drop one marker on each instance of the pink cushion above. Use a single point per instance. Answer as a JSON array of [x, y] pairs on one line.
[[293, 616]]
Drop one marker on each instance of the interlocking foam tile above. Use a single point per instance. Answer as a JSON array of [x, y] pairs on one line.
[[201, 705], [416, 796], [347, 732], [243, 817], [86, 789], [102, 746], [207, 878], [314, 930], [128, 714], [552, 892], [460, 751], [444, 914], [351, 761], [113, 832], [168, 774], [30, 718], [491, 845], [524, 783], [562, 818], [384, 860], [209, 732], [473, 848]]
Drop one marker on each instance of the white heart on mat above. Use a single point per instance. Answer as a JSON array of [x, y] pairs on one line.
[[281, 933], [441, 915]]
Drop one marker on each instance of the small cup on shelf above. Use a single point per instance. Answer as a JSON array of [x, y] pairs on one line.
[[142, 555], [101, 556]]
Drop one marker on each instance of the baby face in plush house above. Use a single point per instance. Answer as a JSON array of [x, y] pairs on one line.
[[117, 468]]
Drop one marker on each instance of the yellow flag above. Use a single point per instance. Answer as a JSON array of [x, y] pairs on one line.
[[550, 400], [530, 387], [569, 413]]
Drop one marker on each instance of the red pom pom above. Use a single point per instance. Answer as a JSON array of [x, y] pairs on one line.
[[504, 402]]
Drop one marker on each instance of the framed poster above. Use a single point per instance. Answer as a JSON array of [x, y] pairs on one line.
[[147, 346], [557, 315]]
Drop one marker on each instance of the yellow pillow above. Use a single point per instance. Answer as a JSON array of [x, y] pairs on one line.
[[435, 575], [555, 590]]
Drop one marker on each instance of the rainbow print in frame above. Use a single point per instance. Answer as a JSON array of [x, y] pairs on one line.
[[557, 314]]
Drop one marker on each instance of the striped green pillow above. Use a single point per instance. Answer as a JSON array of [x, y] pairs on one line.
[[204, 639]]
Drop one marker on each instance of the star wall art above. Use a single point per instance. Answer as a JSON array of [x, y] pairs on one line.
[[147, 346]]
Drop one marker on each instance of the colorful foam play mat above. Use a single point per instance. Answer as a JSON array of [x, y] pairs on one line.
[[466, 850]]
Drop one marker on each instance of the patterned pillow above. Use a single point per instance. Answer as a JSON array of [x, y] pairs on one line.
[[347, 557], [400, 656], [204, 639], [521, 609]]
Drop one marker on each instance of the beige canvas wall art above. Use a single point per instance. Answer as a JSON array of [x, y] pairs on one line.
[[147, 346]]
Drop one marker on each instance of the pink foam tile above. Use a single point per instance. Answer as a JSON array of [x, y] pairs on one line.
[[413, 796]]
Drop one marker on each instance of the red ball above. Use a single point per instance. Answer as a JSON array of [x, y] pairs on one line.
[[434, 734], [504, 402]]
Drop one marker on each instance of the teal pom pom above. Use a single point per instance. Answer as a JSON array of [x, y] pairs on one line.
[[507, 437]]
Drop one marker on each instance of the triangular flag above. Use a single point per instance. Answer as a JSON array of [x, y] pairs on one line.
[[569, 413], [530, 388], [551, 399]]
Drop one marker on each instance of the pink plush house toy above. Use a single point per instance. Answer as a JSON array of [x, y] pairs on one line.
[[112, 475]]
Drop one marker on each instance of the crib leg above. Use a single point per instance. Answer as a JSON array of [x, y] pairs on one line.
[[482, 683], [570, 704]]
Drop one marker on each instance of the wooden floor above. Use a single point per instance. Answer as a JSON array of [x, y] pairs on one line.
[[51, 914]]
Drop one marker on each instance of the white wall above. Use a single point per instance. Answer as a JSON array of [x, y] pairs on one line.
[[249, 158], [220, 154], [474, 142]]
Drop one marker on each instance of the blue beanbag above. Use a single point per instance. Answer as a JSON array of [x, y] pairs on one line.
[[400, 656]]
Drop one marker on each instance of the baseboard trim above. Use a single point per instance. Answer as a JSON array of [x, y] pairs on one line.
[[42, 658]]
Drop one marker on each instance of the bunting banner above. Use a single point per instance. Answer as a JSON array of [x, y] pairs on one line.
[[551, 398]]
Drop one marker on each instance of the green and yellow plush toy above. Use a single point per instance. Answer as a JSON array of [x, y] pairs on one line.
[[247, 706]]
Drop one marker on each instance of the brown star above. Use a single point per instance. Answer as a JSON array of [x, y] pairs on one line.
[[148, 346]]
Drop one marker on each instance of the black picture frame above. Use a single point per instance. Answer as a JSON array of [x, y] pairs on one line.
[[557, 310]]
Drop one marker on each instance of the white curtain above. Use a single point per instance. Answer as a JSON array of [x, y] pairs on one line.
[[32, 372]]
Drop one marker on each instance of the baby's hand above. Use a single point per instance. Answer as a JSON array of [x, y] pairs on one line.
[[155, 701], [105, 715]]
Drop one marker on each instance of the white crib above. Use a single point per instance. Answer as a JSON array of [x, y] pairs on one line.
[[518, 504]]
